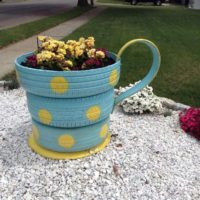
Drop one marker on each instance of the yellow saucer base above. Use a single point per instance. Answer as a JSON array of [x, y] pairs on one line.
[[65, 155]]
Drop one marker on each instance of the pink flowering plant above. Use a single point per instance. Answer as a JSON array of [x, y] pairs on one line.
[[58, 55], [190, 121]]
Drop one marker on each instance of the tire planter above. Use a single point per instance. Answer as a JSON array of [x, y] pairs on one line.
[[70, 109]]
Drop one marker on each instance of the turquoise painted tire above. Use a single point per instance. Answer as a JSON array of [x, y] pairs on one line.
[[70, 109], [74, 112], [70, 140], [67, 84]]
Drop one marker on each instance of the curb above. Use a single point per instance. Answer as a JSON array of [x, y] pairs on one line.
[[172, 105]]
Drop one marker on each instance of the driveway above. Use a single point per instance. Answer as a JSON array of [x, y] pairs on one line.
[[12, 14]]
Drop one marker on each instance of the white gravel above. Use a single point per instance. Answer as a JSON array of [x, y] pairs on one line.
[[149, 157]]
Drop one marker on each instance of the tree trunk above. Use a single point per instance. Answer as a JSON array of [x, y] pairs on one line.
[[92, 2], [186, 3], [82, 3]]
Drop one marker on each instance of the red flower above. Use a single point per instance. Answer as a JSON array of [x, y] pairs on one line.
[[93, 62], [31, 61], [90, 61], [190, 121]]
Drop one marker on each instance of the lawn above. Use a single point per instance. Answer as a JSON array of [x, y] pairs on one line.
[[17, 33], [113, 1], [176, 31]]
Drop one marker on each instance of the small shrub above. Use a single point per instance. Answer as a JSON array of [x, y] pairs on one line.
[[11, 78], [142, 102], [190, 121]]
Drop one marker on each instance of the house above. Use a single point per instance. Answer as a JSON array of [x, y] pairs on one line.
[[195, 4]]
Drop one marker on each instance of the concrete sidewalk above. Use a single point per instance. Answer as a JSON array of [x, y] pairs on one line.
[[13, 13], [9, 53]]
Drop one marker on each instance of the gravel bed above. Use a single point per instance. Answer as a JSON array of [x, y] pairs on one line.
[[149, 157]]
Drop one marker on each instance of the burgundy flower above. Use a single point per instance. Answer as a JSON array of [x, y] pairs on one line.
[[190, 121], [97, 63], [90, 61], [93, 62], [31, 61]]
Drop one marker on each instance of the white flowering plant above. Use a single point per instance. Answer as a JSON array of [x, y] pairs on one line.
[[144, 101]]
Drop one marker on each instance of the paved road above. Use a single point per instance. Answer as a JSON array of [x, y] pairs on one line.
[[12, 14]]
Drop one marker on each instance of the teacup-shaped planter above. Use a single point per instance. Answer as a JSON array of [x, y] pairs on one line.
[[70, 109]]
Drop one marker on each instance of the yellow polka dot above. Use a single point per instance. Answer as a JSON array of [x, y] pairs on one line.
[[104, 131], [35, 132], [66, 141], [93, 113], [59, 85], [45, 116], [113, 77]]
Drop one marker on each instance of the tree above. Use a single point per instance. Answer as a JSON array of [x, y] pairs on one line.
[[82, 3]]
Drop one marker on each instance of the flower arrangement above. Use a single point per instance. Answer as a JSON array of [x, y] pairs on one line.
[[142, 102], [58, 55], [190, 121]]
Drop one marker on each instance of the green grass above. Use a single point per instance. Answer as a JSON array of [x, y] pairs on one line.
[[113, 1], [176, 31], [11, 35]]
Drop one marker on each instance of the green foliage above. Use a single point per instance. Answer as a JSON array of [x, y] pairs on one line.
[[113, 1], [176, 31]]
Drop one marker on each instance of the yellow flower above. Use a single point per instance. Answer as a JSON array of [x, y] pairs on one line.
[[50, 39], [78, 52], [42, 38], [82, 46], [89, 42], [61, 51], [77, 44], [91, 53], [81, 39], [71, 48], [69, 63], [45, 44], [66, 47], [59, 57], [44, 56], [91, 38], [49, 45], [100, 54], [71, 42], [61, 44]]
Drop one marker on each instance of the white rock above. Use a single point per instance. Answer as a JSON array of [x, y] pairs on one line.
[[157, 160]]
